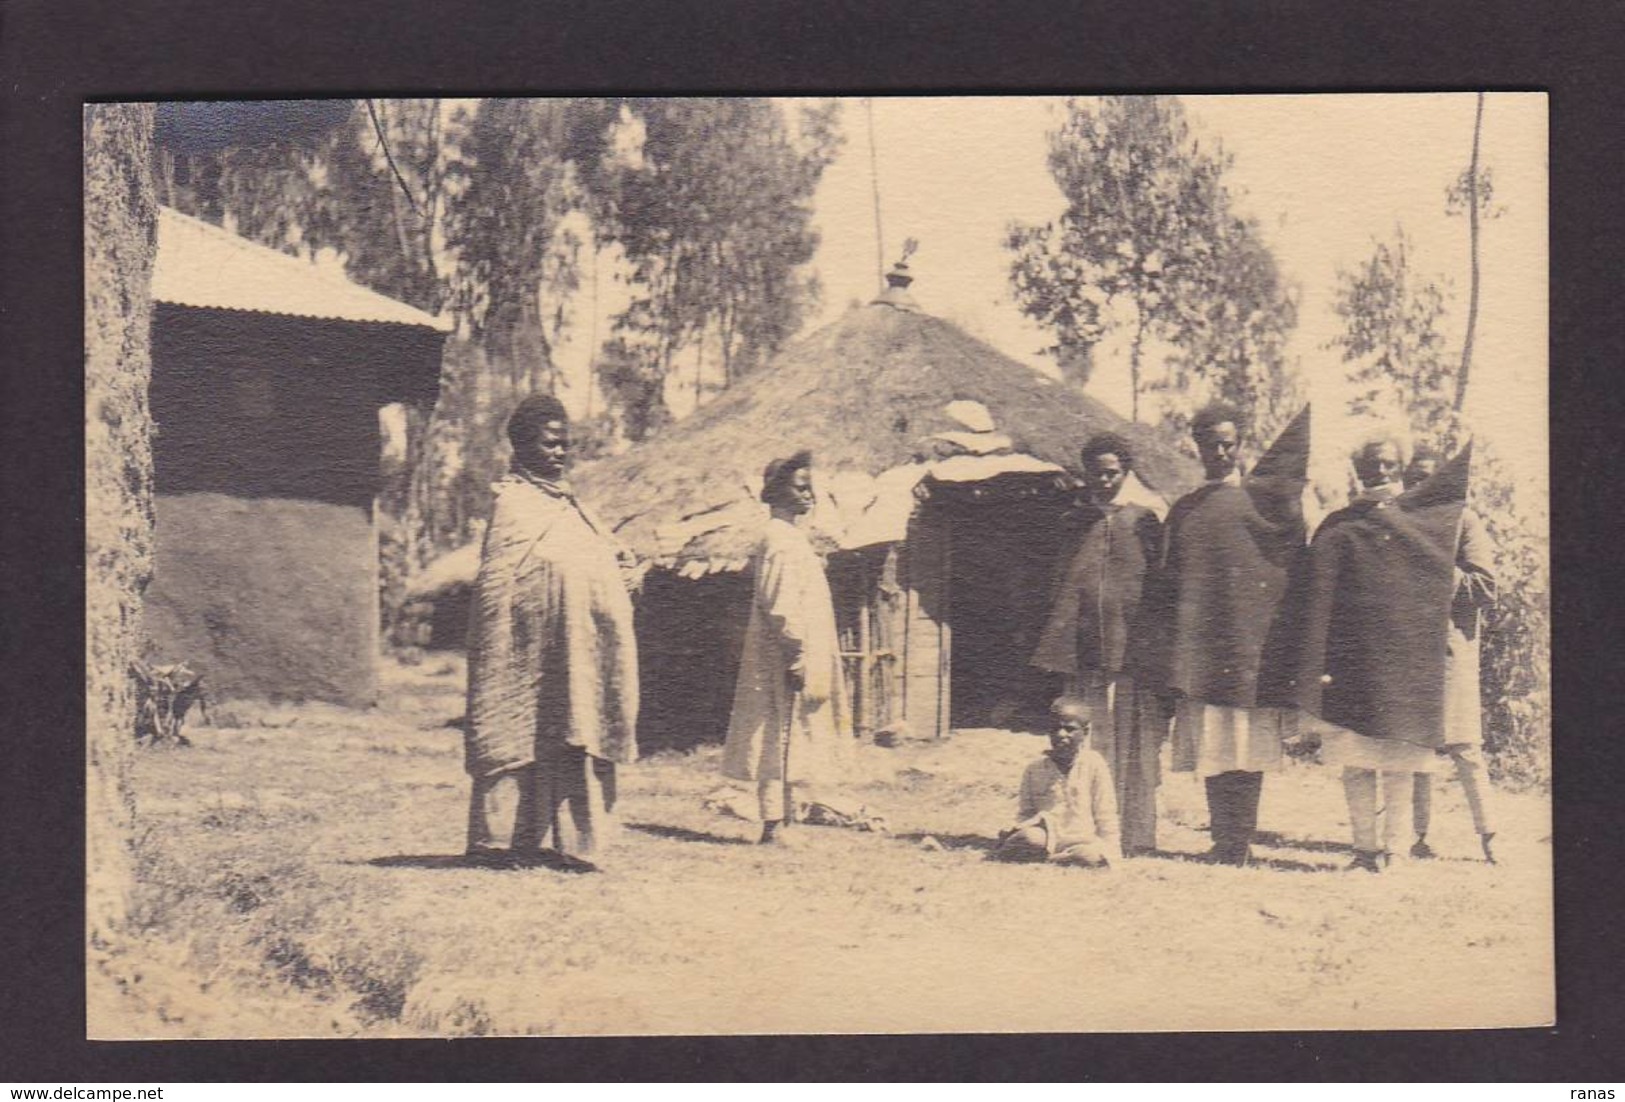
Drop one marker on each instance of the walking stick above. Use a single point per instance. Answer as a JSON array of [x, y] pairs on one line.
[[784, 760]]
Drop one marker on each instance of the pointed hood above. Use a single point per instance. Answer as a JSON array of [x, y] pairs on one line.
[[1277, 481], [1445, 486], [1288, 457]]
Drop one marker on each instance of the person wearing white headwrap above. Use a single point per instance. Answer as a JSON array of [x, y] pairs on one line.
[[791, 724]]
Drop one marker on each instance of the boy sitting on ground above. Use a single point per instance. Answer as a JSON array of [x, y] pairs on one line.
[[1068, 809]]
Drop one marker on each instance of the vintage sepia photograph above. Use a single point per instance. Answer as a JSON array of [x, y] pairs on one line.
[[614, 566]]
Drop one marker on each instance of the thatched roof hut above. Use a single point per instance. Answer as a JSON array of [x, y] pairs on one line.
[[862, 393], [923, 546], [946, 502]]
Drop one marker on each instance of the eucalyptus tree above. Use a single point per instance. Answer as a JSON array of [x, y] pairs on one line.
[[1150, 244]]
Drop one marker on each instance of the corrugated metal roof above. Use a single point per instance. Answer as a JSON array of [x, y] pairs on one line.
[[205, 266]]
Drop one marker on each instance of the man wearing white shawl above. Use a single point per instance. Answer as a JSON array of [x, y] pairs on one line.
[[552, 660], [791, 718]]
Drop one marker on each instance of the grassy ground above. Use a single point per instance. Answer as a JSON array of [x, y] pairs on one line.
[[299, 877]]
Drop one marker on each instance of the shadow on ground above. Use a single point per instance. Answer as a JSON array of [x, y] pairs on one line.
[[1279, 864], [950, 841], [684, 834], [502, 862], [1281, 841]]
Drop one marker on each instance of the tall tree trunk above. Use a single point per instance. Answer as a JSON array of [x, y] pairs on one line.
[[1472, 238], [699, 363], [434, 176], [726, 310], [121, 216], [397, 215], [592, 331], [1134, 364]]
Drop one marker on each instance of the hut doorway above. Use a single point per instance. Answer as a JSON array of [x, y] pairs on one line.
[[1005, 551]]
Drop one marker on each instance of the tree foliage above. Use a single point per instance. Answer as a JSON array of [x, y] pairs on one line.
[[517, 187], [711, 202], [1150, 243], [1393, 349], [1232, 336], [1517, 654], [373, 190], [387, 189]]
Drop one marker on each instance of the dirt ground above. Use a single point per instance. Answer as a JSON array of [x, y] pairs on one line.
[[300, 876]]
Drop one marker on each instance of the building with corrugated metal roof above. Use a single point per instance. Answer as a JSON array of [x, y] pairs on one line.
[[268, 377]]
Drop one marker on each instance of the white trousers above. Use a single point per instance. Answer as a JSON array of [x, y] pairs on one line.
[[1366, 805]]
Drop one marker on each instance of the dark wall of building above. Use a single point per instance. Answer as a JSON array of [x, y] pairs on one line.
[[267, 598], [448, 619], [266, 461], [265, 406]]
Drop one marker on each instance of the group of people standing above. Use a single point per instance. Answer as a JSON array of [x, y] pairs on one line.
[[1223, 631], [1229, 634]]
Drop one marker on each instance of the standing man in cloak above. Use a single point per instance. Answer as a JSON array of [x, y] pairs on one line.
[[1463, 720], [791, 723], [1364, 646], [1228, 548], [1087, 635], [552, 660]]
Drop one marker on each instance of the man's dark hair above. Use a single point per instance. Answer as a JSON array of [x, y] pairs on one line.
[[1109, 443], [777, 476], [526, 421], [1214, 414]]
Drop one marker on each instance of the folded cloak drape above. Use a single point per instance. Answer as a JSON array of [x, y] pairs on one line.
[[552, 660], [1098, 597], [1362, 637], [1227, 552]]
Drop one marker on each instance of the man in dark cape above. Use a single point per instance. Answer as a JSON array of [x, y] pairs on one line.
[[1227, 551], [1085, 640], [1361, 645], [1476, 593]]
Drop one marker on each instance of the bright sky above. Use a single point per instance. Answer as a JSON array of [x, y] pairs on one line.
[[1324, 175]]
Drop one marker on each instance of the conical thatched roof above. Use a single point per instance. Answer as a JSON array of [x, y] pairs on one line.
[[861, 393]]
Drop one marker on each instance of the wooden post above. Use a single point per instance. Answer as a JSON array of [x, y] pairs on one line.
[[928, 644], [945, 630], [863, 690]]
